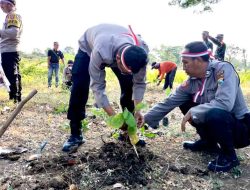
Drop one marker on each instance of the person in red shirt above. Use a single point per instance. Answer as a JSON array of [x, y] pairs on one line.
[[167, 68]]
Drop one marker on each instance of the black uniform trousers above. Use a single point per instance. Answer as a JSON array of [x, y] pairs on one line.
[[80, 90], [169, 79], [223, 128], [10, 64]]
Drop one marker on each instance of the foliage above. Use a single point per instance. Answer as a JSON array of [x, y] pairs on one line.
[[237, 56], [85, 125], [205, 4], [166, 53], [232, 52], [61, 108], [118, 120], [99, 113], [217, 184], [69, 50], [126, 118], [146, 134]]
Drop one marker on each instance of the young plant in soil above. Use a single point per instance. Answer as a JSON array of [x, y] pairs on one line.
[[127, 118]]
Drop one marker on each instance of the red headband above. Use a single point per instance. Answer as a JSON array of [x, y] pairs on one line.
[[199, 54], [123, 60]]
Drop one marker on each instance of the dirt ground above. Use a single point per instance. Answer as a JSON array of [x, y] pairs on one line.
[[103, 163]]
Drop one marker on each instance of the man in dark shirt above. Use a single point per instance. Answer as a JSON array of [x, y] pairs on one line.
[[209, 44], [221, 46], [53, 63]]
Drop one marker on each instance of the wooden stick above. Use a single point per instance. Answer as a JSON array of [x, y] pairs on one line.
[[16, 111]]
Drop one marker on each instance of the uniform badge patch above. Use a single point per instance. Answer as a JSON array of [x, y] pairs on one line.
[[220, 77], [13, 20]]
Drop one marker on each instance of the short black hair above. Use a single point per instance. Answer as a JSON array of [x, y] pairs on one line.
[[70, 62], [136, 58], [197, 47]]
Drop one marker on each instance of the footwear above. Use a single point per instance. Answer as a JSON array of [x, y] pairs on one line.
[[201, 145], [146, 126], [18, 99], [72, 143], [223, 163], [125, 138], [165, 122], [141, 143], [11, 97]]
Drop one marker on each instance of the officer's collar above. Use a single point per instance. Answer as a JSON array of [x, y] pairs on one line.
[[210, 67]]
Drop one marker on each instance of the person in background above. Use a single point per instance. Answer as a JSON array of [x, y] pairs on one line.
[[211, 100], [9, 46], [67, 74], [101, 46], [221, 46], [166, 69], [54, 55], [209, 44]]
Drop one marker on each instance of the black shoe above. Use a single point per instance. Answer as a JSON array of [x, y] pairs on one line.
[[18, 99], [165, 122], [11, 97], [146, 126], [201, 145], [73, 143], [223, 163]]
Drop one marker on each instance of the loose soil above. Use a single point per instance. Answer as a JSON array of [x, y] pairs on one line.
[[102, 162]]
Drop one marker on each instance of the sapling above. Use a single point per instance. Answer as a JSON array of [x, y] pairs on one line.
[[117, 122]]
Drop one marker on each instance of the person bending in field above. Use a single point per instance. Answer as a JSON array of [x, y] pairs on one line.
[[211, 100], [102, 46], [166, 69]]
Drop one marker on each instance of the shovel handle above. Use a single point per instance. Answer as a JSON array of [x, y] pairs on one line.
[[16, 111]]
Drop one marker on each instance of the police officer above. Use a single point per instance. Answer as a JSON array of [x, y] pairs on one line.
[[212, 101], [221, 46], [9, 47], [101, 46], [209, 44]]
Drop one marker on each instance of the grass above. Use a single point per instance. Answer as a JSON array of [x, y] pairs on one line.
[[34, 74]]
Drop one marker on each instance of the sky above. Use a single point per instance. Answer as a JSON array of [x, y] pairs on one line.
[[46, 21]]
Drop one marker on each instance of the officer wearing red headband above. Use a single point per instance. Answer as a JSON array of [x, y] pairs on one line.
[[101, 46], [212, 101]]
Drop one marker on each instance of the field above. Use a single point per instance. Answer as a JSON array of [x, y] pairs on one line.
[[104, 163]]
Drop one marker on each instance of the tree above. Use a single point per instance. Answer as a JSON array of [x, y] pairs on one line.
[[69, 50], [164, 53], [244, 58], [192, 3], [46, 50], [37, 53], [232, 52]]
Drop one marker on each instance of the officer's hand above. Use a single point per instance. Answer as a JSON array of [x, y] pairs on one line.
[[139, 119], [186, 118]]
